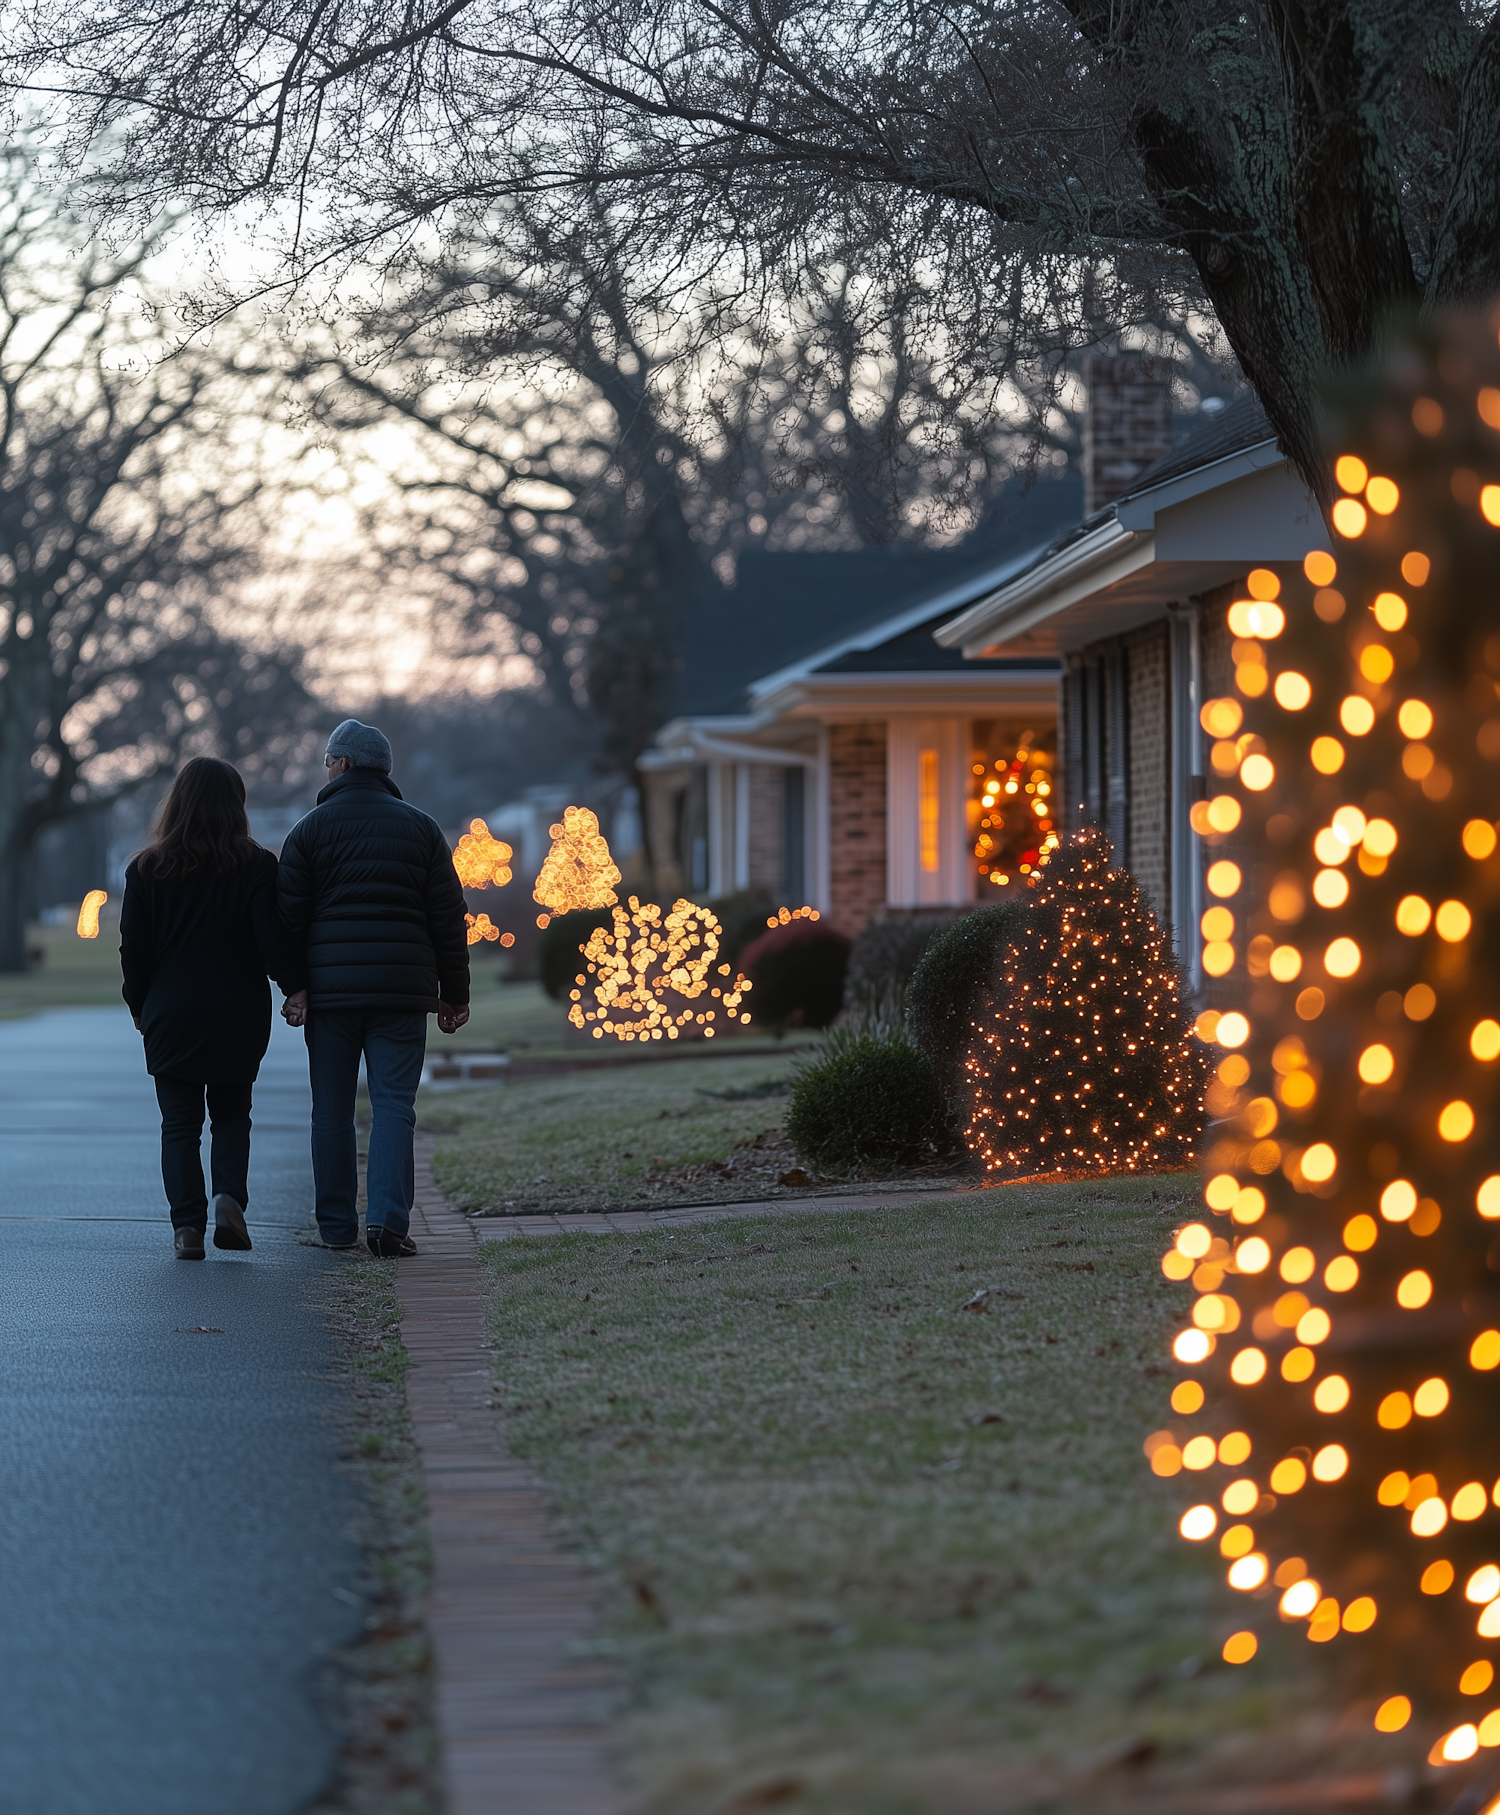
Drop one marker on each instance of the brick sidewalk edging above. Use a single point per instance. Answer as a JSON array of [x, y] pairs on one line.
[[521, 1715]]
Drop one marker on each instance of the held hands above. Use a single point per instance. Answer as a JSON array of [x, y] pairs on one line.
[[450, 1019], [294, 1009]]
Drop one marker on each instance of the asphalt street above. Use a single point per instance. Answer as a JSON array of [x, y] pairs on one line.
[[176, 1559]]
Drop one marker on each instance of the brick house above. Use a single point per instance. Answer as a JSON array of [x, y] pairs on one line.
[[1132, 602], [848, 773]]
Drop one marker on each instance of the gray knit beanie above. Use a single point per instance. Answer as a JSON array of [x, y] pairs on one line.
[[363, 745]]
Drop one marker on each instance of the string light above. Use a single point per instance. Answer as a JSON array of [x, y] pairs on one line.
[[1016, 833], [579, 871], [88, 914], [484, 928], [644, 972], [1358, 1087], [1086, 1062], [785, 916], [480, 859]]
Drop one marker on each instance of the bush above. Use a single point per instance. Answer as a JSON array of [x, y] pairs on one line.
[[742, 919], [950, 987], [882, 961], [868, 1102], [798, 974], [560, 949], [1086, 1061]]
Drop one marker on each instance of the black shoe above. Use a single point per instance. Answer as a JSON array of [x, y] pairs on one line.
[[385, 1246], [188, 1244], [229, 1224]]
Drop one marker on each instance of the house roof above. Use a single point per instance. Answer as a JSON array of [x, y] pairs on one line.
[[1168, 537], [790, 613]]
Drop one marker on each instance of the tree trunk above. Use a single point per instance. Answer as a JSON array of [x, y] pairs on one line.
[[1466, 253], [15, 904]]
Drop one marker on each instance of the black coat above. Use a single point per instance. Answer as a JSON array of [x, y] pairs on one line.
[[195, 955], [367, 885]]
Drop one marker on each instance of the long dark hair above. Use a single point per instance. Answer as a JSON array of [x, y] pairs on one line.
[[201, 828]]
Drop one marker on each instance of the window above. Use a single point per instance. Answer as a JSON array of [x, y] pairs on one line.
[[1011, 803]]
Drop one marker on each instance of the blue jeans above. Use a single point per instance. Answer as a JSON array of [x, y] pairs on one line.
[[394, 1043]]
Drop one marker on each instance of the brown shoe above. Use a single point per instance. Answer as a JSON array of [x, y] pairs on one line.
[[229, 1224], [188, 1244]]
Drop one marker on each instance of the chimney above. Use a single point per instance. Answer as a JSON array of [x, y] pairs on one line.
[[1127, 425]]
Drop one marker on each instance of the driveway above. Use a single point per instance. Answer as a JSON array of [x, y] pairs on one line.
[[177, 1558]]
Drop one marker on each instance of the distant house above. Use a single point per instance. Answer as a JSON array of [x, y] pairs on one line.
[[1132, 602], [829, 751]]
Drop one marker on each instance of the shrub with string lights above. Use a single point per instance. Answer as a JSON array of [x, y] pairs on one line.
[[578, 871], [653, 976], [1338, 1411], [1084, 1058]]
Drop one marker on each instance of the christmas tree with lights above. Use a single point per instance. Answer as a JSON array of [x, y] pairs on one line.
[[1337, 1414], [1083, 1057], [579, 871]]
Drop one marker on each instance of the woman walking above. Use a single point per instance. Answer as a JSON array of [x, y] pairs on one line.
[[199, 933]]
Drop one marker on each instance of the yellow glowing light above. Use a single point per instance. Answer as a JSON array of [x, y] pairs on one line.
[[1217, 923], [1320, 1161], [1218, 958], [1359, 1615], [1349, 518], [1484, 1351], [88, 914], [1453, 921], [1414, 1290], [1488, 1626], [1470, 1501], [1292, 690], [1253, 1255], [1223, 878], [1249, 1572], [481, 860], [1487, 1198], [1194, 1240], [1313, 1326], [1413, 916], [928, 803], [1187, 1397], [1300, 1599], [1289, 1308], [1342, 1273], [1256, 618], [1233, 1030], [1382, 496], [1249, 1206], [1357, 715], [1234, 1449], [1462, 1742], [1489, 1735], [1192, 1346], [1348, 825], [1327, 754], [1351, 472], [1298, 1265], [1221, 718], [1456, 1123], [1298, 1364], [1376, 1064], [481, 928], [1216, 1313], [785, 916], [1329, 848], [1484, 1042], [1360, 1233], [1479, 839], [1240, 1647], [1220, 1192], [1489, 504], [1376, 663], [1392, 1714], [1430, 1398], [1263, 583], [1482, 1587], [1199, 1453], [1415, 568], [1390, 614], [1331, 1463], [1289, 1476], [1248, 1367], [1414, 718], [1394, 1412], [1331, 1393], [579, 871], [648, 970], [1176, 1266], [1417, 761], [1429, 1517], [1331, 887], [1238, 1541], [1477, 1678], [1380, 837], [1223, 813], [1285, 963], [1398, 1201], [1257, 773], [1198, 1523], [1320, 567]]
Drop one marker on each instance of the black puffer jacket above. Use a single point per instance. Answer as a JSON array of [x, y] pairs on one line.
[[368, 887]]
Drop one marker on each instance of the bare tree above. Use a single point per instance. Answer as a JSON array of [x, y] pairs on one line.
[[1306, 168], [113, 664]]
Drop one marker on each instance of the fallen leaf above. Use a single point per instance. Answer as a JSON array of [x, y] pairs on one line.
[[795, 1176]]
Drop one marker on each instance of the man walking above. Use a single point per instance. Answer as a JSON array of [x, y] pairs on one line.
[[368, 888]]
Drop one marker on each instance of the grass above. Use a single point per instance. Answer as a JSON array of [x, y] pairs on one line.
[[74, 973], [865, 1552], [652, 1133]]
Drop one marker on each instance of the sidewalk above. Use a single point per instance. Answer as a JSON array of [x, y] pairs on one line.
[[631, 1222]]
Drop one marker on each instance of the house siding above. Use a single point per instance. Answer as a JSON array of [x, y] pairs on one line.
[[1148, 803], [856, 823], [766, 799]]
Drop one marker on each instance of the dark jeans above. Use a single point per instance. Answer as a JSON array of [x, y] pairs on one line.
[[181, 1157], [394, 1043]]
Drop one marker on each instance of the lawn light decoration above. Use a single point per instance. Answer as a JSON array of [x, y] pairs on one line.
[[482, 927], [785, 916], [1338, 1410], [1084, 1059], [1016, 835], [480, 859], [645, 973], [579, 871], [88, 914]]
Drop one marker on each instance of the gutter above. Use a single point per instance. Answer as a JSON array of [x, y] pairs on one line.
[[1071, 575]]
